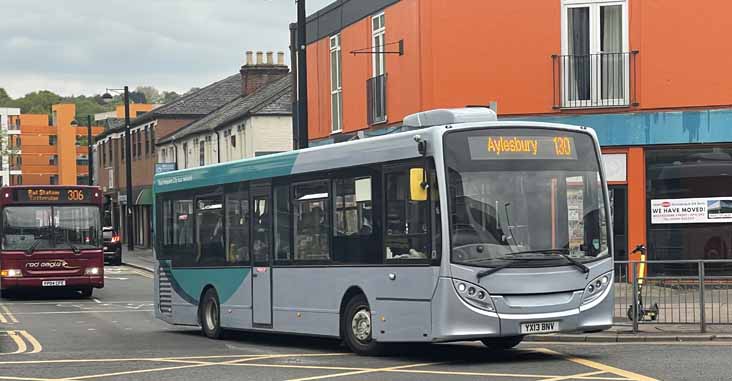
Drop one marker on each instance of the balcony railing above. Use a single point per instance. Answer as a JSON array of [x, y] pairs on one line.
[[594, 80], [376, 99]]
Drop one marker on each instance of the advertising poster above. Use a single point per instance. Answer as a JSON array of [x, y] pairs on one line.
[[711, 210]]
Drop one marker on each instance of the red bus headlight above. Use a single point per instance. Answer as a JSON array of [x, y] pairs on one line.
[[11, 273]]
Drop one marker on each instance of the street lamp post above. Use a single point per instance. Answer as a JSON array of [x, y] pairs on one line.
[[90, 154], [128, 164]]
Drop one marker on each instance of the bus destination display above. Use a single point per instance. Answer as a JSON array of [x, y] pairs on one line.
[[52, 195], [522, 147]]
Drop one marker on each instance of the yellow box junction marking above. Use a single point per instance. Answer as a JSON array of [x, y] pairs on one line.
[[611, 373]]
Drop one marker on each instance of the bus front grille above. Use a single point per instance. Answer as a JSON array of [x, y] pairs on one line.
[[164, 292]]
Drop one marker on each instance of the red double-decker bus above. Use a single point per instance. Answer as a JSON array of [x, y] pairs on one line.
[[51, 237]]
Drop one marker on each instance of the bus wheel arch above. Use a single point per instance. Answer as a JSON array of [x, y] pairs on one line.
[[356, 311], [352, 292], [209, 313]]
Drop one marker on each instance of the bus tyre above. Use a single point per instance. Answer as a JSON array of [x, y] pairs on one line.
[[357, 327], [502, 343], [86, 292], [209, 314]]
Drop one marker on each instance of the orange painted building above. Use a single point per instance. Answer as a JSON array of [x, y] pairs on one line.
[[52, 153], [647, 75]]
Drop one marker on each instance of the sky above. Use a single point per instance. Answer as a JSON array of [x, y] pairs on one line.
[[74, 47]]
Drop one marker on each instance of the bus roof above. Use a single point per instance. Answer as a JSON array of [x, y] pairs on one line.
[[380, 149]]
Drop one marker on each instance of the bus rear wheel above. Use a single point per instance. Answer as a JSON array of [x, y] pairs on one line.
[[209, 314], [357, 327], [502, 343]]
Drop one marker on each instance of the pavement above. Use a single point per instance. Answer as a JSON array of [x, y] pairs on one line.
[[47, 335], [139, 258]]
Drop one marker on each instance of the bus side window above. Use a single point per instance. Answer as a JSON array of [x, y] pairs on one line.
[[311, 204], [237, 228], [407, 222], [181, 248], [354, 237], [283, 252]]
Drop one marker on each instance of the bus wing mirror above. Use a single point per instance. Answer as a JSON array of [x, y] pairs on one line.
[[417, 189]]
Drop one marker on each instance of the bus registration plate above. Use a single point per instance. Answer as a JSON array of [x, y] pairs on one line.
[[540, 327], [53, 283]]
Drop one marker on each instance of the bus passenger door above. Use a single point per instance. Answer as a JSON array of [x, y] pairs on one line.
[[261, 209]]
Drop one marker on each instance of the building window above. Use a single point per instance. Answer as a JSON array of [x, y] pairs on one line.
[[164, 156], [152, 139], [103, 151], [147, 141], [122, 143], [185, 155], [53, 180], [336, 87], [202, 153], [138, 140], [53, 160], [52, 140], [376, 86], [595, 59], [233, 141], [17, 142], [680, 183], [82, 160]]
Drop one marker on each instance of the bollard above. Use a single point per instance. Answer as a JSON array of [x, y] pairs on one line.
[[635, 297], [702, 312]]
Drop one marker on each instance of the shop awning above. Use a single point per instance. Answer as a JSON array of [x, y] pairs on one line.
[[144, 197]]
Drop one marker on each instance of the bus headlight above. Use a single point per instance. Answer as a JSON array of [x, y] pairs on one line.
[[91, 271], [597, 287], [11, 273], [473, 294]]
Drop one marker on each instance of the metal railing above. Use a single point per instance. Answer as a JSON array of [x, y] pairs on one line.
[[701, 297], [594, 80], [376, 99]]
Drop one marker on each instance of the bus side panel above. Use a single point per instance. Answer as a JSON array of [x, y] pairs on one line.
[[308, 300], [232, 285]]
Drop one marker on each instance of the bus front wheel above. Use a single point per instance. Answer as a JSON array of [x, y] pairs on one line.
[[209, 314], [86, 292], [502, 343], [357, 327]]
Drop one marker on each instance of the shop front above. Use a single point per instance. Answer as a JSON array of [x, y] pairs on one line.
[[670, 185]]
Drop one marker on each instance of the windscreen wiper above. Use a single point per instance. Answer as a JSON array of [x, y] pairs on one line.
[[71, 245], [490, 271], [33, 246], [563, 253]]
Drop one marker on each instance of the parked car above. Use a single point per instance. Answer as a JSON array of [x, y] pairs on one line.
[[112, 246]]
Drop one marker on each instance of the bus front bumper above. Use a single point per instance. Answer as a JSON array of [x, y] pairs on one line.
[[7, 283], [456, 320]]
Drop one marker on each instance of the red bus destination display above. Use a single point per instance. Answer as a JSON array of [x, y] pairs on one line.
[[522, 147], [53, 195]]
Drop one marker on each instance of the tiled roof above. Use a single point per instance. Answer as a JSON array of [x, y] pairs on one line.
[[192, 105], [274, 98]]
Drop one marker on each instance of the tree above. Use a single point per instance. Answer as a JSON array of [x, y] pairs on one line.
[[152, 94], [5, 99], [169, 96]]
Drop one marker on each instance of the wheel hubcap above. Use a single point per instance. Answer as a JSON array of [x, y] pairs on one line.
[[212, 315], [361, 325]]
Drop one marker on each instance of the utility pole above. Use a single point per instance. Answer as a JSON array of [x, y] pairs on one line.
[[302, 76], [128, 172]]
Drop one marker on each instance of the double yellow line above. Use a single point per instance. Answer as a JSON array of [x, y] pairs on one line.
[[7, 317], [26, 343]]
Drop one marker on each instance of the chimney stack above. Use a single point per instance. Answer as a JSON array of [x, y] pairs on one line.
[[259, 74]]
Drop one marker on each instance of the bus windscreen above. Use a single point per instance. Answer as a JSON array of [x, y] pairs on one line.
[[30, 227]]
